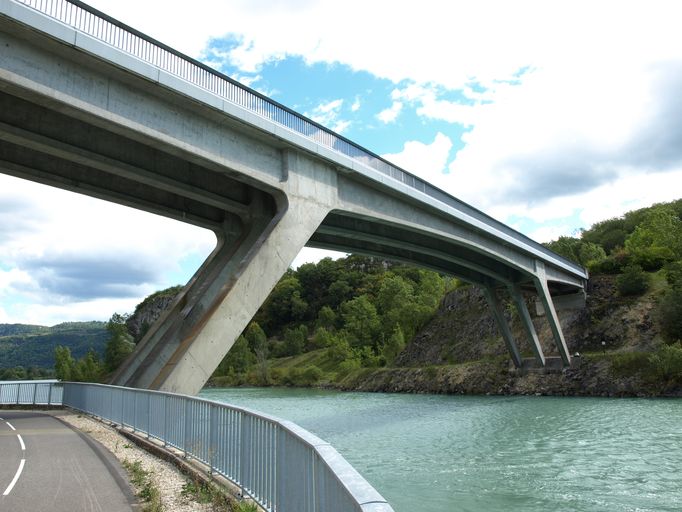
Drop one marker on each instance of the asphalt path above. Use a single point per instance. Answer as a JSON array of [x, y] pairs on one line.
[[63, 470]]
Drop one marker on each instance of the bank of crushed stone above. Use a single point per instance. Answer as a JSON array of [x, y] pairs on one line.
[[167, 478]]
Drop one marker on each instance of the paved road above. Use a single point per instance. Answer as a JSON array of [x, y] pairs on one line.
[[62, 470]]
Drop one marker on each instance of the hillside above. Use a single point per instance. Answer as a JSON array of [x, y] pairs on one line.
[[628, 334], [33, 345]]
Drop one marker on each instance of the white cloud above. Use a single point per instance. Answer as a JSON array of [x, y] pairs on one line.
[[428, 161], [356, 105], [313, 255], [390, 114], [549, 233], [327, 114], [61, 250]]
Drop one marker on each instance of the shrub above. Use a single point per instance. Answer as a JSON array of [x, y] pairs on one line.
[[311, 375], [666, 363], [303, 377], [339, 350], [670, 314], [347, 366], [608, 265], [322, 338], [633, 281], [626, 364]]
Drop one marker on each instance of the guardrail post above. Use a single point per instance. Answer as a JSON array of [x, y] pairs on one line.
[[211, 439], [165, 420], [18, 391], [49, 394], [185, 426], [35, 391]]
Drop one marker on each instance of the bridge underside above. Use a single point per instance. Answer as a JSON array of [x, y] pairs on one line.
[[152, 148]]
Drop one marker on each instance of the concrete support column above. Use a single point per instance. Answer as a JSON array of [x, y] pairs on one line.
[[498, 313], [540, 280], [517, 297], [198, 355]]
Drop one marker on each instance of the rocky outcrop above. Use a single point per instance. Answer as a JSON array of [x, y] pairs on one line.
[[149, 310], [461, 352], [464, 330]]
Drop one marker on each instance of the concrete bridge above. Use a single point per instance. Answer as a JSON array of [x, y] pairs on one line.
[[90, 105]]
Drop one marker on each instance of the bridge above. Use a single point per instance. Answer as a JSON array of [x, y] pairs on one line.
[[91, 105]]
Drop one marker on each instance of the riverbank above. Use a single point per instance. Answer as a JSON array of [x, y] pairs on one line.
[[628, 374], [594, 376]]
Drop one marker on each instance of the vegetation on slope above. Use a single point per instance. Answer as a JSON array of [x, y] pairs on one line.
[[368, 331], [27, 351]]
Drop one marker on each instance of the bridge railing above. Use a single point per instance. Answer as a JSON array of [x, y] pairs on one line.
[[34, 392], [105, 28], [280, 465]]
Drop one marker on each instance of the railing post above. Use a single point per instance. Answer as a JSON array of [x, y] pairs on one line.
[[165, 420], [211, 436], [35, 391], [49, 395], [18, 391], [185, 426]]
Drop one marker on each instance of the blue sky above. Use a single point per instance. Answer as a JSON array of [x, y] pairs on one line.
[[549, 116]]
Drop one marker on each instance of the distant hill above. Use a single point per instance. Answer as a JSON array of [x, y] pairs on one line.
[[33, 345]]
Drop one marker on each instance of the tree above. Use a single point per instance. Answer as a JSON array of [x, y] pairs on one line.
[[658, 239], [255, 336], [670, 314], [394, 345], [89, 368], [120, 344], [360, 320], [258, 342], [326, 318], [294, 340], [284, 303], [64, 364], [633, 281], [239, 358]]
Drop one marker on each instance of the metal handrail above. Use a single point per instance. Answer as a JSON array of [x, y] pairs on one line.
[[123, 37], [36, 392], [277, 463]]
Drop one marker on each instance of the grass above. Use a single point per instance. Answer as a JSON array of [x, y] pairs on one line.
[[147, 489], [202, 492]]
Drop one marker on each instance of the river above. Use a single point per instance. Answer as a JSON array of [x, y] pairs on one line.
[[440, 453]]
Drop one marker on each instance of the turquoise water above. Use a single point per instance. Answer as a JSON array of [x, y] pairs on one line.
[[451, 453]]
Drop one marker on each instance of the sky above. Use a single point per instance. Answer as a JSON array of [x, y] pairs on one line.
[[547, 115]]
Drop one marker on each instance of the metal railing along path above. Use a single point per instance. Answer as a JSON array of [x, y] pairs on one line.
[[31, 392], [280, 465], [96, 24]]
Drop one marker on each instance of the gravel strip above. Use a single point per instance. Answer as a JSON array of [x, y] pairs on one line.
[[166, 476]]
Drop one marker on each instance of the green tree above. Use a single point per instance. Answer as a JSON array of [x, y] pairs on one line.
[[670, 314], [339, 349], [284, 304], [658, 239], [64, 364], [255, 336], [633, 281], [89, 368], [326, 318], [322, 338], [238, 359], [395, 302], [394, 345], [294, 340], [120, 344], [361, 320], [258, 343]]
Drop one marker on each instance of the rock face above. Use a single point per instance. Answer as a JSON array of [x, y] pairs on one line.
[[461, 351], [464, 330], [149, 310]]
